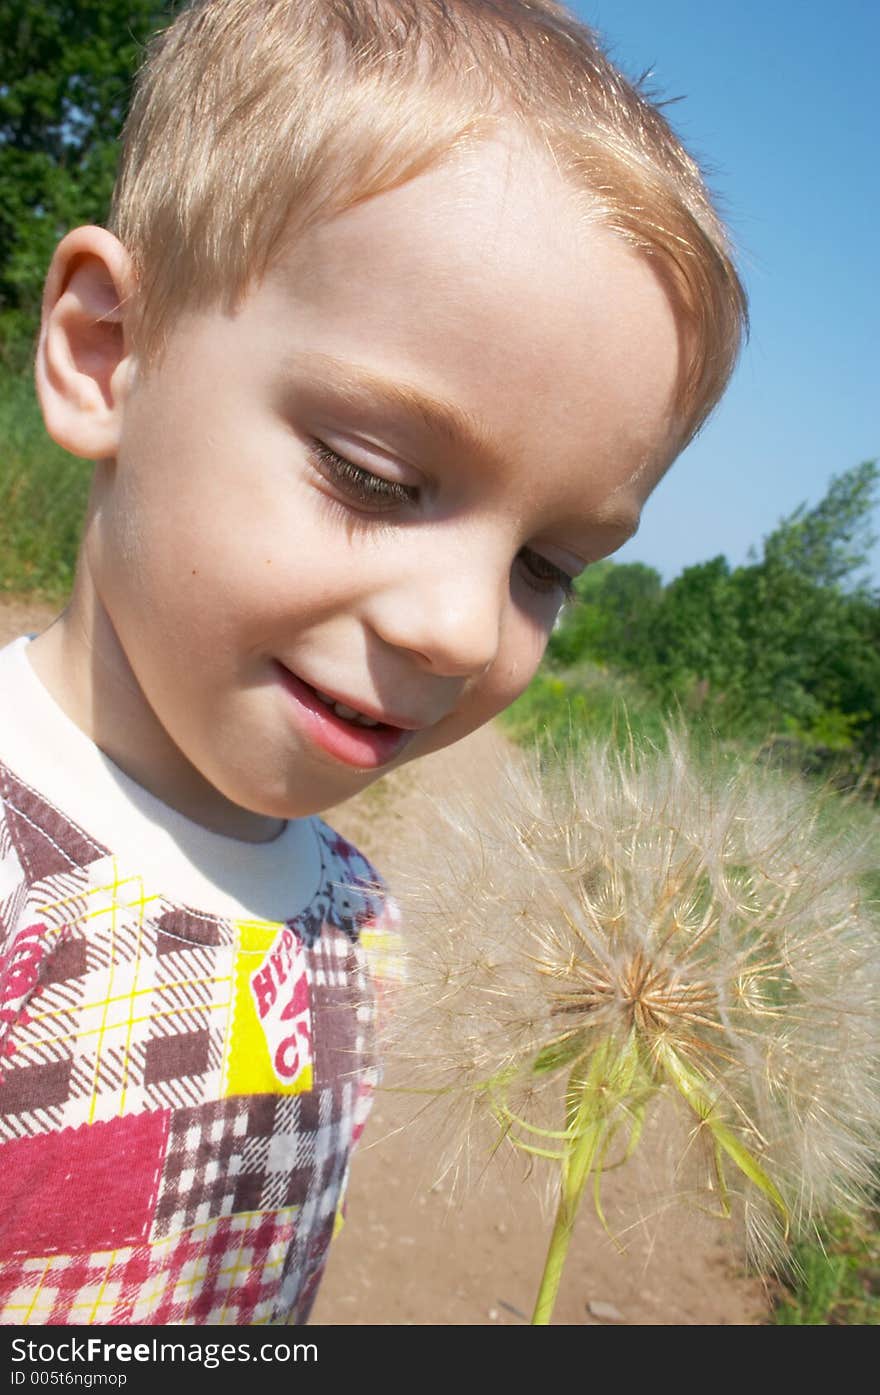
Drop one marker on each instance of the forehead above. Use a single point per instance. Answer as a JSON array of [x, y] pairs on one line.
[[489, 285]]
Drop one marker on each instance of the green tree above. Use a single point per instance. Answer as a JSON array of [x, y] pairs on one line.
[[806, 616], [694, 650], [611, 616], [65, 83], [789, 643], [829, 545]]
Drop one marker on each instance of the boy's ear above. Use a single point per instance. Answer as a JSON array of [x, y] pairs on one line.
[[82, 366]]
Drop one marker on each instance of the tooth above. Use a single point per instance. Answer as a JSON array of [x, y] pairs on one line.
[[349, 714]]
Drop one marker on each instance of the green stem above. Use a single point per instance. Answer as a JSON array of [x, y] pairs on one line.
[[591, 1101], [574, 1178]]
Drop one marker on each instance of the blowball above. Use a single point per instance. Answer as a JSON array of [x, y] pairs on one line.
[[586, 939]]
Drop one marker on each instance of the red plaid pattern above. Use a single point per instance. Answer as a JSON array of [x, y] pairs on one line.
[[226, 1271]]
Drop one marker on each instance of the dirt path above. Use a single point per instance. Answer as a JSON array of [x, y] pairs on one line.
[[19, 615], [409, 1254]]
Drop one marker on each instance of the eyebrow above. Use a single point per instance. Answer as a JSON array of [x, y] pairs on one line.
[[355, 384]]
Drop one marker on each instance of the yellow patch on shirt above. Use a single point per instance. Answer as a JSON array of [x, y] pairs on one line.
[[270, 1047]]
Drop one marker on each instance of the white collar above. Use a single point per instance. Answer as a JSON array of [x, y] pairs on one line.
[[176, 858]]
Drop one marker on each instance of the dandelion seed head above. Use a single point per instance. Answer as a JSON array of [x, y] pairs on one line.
[[643, 897]]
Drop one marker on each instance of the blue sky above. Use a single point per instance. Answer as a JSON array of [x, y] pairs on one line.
[[779, 104]]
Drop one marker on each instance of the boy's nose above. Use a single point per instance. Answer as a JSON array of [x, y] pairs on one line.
[[450, 618]]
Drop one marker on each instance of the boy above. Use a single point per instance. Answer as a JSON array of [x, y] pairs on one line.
[[405, 309]]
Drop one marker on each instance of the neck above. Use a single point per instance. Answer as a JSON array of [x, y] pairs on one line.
[[81, 663]]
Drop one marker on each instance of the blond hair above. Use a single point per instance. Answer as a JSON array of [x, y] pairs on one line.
[[254, 118]]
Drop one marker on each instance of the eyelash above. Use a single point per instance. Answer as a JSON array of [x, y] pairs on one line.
[[372, 491]]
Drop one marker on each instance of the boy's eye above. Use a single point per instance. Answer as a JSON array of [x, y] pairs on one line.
[[374, 492], [369, 490], [544, 575]]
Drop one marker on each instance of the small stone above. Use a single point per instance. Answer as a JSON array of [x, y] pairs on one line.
[[604, 1312], [493, 1315]]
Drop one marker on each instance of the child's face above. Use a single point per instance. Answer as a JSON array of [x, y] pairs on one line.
[[372, 479]]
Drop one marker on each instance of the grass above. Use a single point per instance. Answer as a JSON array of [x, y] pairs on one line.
[[836, 1280], [43, 493], [558, 705]]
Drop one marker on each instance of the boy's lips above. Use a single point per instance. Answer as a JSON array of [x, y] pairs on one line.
[[366, 747]]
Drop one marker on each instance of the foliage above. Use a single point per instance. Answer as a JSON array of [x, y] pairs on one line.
[[64, 89], [43, 493], [558, 705], [694, 644], [613, 612], [833, 1281], [829, 545], [786, 646]]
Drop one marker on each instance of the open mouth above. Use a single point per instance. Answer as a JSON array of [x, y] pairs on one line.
[[348, 735], [347, 714]]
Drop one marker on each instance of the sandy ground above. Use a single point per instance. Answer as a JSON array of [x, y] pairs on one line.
[[411, 1252]]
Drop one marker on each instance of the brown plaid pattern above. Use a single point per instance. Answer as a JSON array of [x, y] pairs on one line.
[[343, 991], [253, 1154], [202, 1162]]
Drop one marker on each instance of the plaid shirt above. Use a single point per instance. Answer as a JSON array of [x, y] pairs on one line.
[[180, 1091]]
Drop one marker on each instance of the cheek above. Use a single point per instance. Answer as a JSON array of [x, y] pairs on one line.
[[513, 670], [509, 676], [522, 653]]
